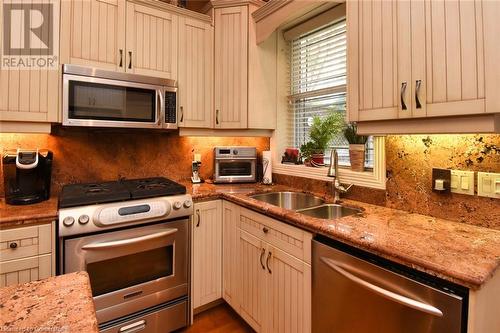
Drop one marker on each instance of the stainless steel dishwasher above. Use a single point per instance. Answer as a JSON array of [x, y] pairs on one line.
[[357, 292]]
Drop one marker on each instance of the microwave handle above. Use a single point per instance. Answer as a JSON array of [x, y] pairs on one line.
[[159, 105], [129, 241]]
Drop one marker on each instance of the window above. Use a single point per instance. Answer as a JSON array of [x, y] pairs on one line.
[[318, 84], [312, 72]]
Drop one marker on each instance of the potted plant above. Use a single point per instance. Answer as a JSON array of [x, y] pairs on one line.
[[322, 131], [357, 147]]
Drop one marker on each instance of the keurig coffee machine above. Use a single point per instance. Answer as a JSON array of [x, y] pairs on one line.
[[26, 175]]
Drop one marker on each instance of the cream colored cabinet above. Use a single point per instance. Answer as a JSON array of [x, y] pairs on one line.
[[151, 41], [195, 73], [207, 253], [270, 261], [422, 59], [28, 94], [136, 37], [252, 306], [230, 258], [27, 254], [245, 73], [231, 67], [288, 300], [93, 33]]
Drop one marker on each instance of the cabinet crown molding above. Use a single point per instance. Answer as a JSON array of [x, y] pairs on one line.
[[233, 3], [171, 8]]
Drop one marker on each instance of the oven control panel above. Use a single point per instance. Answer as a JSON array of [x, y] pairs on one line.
[[92, 218]]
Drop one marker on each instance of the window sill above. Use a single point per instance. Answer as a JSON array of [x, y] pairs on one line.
[[375, 178]]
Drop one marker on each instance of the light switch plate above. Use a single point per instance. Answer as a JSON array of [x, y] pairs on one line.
[[488, 184], [462, 182]]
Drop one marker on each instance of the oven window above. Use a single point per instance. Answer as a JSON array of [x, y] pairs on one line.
[[122, 272], [235, 168], [98, 101]]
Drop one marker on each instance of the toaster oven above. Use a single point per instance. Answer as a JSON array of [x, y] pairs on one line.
[[235, 164]]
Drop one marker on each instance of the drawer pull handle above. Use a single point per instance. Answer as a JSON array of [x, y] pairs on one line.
[[261, 256], [418, 83], [267, 262], [199, 217], [13, 245], [265, 230], [403, 90]]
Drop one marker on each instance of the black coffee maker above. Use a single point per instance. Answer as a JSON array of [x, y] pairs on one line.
[[26, 175]]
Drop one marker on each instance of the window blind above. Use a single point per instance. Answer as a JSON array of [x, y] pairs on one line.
[[318, 73]]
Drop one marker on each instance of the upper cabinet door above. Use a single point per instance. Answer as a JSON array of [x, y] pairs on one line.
[[195, 73], [422, 58], [378, 59], [455, 56], [151, 42], [29, 94], [93, 33], [231, 67]]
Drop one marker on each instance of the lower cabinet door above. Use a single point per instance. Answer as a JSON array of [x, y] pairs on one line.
[[207, 252], [288, 300], [230, 255], [252, 282]]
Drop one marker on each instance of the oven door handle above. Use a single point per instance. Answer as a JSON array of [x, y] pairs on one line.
[[130, 241]]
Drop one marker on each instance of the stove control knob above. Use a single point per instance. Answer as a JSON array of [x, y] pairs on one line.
[[84, 219], [188, 203], [68, 221], [177, 205]]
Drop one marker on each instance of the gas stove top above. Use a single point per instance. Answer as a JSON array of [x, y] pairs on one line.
[[75, 195]]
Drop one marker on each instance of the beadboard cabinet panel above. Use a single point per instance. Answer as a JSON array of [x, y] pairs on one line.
[[441, 64], [253, 285], [27, 254], [231, 67], [152, 41], [93, 33], [207, 252], [454, 56], [30, 94], [288, 303], [230, 257], [195, 73]]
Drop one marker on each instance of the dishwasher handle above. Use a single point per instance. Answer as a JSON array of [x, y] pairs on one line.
[[406, 301]]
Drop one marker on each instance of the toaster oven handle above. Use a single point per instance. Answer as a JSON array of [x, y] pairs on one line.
[[129, 241]]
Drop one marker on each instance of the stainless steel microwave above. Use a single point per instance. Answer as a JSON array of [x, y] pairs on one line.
[[100, 98]]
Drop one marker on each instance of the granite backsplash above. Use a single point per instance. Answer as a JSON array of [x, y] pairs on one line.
[[89, 155], [409, 163]]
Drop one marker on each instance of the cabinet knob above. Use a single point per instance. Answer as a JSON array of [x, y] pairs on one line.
[[13, 245], [265, 230]]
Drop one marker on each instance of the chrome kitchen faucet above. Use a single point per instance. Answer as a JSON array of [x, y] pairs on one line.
[[333, 171]]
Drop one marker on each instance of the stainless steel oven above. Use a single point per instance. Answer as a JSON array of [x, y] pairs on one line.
[[134, 268], [235, 164], [99, 98]]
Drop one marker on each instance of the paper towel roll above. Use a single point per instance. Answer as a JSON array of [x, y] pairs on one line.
[[267, 167]]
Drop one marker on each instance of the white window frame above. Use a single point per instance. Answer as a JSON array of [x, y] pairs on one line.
[[374, 178]]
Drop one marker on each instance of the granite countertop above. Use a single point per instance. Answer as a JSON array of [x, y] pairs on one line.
[[43, 212], [57, 304], [461, 253], [464, 254]]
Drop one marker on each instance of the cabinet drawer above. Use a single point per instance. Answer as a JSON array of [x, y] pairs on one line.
[[26, 270], [25, 242], [290, 239]]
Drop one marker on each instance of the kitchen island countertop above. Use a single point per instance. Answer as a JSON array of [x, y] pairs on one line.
[[57, 304]]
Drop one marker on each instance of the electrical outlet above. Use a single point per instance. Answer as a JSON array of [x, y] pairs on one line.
[[462, 182], [488, 184]]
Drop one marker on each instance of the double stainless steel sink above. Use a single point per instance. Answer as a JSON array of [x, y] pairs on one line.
[[306, 204]]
